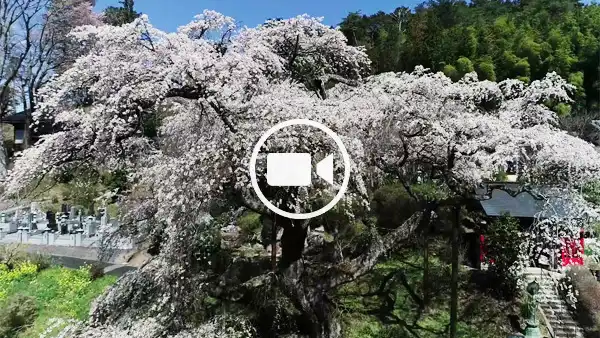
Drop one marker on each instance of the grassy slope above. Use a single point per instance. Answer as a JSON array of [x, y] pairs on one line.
[[59, 293], [480, 315]]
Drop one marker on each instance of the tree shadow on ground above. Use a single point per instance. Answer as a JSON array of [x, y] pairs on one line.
[[392, 296]]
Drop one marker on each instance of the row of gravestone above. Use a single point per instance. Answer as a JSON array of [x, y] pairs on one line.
[[70, 222]]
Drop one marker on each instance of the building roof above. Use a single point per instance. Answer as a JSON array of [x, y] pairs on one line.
[[14, 118], [525, 204]]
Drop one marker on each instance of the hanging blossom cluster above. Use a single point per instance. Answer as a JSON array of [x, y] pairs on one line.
[[215, 97], [557, 228], [559, 224]]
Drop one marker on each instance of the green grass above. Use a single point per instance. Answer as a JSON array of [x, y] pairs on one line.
[[59, 293], [391, 312]]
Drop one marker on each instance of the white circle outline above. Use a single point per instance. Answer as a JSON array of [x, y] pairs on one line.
[[331, 134]]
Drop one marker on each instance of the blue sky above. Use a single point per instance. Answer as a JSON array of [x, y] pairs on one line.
[[170, 14]]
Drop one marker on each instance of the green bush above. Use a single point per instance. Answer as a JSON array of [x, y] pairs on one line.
[[42, 261], [451, 72], [96, 271], [505, 244], [116, 180], [464, 65], [562, 109], [392, 205], [17, 313], [485, 71], [588, 296], [591, 192], [250, 226], [83, 192], [522, 68]]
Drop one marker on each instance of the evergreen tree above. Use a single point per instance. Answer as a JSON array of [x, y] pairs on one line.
[[117, 16]]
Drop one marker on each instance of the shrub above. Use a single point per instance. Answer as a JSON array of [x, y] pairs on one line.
[[505, 247], [392, 205], [12, 254], [18, 312], [451, 72], [464, 65], [485, 71], [42, 261], [8, 275], [588, 296], [96, 271], [250, 226]]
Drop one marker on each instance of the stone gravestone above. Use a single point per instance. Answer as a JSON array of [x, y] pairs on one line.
[[46, 236], [74, 212], [51, 218], [103, 217], [64, 228], [52, 235], [23, 234], [7, 224], [32, 220], [90, 226], [78, 237]]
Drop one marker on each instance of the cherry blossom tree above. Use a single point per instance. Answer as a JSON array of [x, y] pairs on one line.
[[458, 135], [218, 89], [223, 91]]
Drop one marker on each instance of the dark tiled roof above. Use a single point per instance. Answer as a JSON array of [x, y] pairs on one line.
[[14, 118], [525, 204]]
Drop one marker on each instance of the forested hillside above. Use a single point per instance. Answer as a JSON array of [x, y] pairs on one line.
[[498, 39]]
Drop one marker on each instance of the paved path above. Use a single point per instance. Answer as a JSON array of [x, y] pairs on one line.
[[75, 263]]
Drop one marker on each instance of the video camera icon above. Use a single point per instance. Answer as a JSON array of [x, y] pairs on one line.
[[294, 169]]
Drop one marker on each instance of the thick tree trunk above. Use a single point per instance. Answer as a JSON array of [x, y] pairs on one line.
[[292, 242], [308, 292], [454, 281], [309, 285]]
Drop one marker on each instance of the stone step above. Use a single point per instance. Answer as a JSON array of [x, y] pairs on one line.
[[560, 314], [558, 333], [555, 308], [562, 322]]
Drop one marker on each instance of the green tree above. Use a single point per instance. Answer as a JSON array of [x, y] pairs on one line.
[[504, 248], [485, 70], [451, 72], [464, 65], [509, 39], [117, 16]]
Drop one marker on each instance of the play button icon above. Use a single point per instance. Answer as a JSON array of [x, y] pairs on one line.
[[294, 169]]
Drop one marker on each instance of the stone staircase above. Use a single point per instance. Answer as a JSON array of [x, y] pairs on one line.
[[555, 309]]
